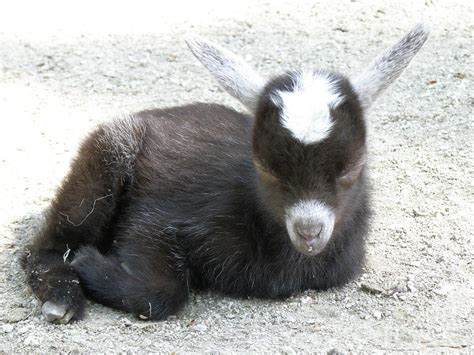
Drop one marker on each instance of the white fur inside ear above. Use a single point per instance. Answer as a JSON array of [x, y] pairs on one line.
[[386, 68], [305, 110], [230, 70]]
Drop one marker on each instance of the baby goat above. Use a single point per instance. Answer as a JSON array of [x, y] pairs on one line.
[[263, 204]]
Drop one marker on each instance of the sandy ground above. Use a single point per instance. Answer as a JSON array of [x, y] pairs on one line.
[[64, 68]]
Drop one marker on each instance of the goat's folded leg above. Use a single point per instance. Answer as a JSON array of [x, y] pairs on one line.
[[81, 214], [139, 276]]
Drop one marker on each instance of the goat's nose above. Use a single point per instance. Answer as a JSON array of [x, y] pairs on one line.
[[308, 231]]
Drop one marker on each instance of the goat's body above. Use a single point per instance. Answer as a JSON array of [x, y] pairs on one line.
[[207, 197], [177, 204]]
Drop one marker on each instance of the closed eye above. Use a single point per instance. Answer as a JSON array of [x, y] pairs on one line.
[[351, 175], [265, 173]]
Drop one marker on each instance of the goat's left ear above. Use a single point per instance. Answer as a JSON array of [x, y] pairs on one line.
[[386, 68], [230, 70]]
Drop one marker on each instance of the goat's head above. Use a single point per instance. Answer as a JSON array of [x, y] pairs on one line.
[[309, 138]]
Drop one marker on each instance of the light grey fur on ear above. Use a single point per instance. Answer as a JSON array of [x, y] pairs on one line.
[[386, 68], [230, 70]]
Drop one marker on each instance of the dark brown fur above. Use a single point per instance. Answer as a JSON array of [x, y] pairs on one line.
[[170, 199]]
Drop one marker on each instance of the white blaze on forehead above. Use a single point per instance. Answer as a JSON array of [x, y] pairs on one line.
[[305, 109]]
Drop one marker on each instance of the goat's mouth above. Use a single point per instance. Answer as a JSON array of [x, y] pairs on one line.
[[310, 225], [308, 245]]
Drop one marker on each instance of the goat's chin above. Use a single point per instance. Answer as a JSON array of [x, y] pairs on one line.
[[303, 248]]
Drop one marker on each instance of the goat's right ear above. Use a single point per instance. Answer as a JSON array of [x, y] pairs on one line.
[[230, 70], [386, 68]]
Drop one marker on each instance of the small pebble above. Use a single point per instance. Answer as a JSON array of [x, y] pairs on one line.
[[200, 327], [24, 329], [287, 350], [16, 315], [32, 340], [411, 287], [402, 297], [377, 315], [371, 288], [442, 291], [7, 328]]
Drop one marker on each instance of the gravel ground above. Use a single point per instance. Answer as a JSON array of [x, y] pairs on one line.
[[74, 67]]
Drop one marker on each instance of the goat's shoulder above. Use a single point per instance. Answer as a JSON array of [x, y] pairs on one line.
[[197, 134], [200, 118]]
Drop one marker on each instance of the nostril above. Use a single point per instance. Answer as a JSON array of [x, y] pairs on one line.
[[308, 231]]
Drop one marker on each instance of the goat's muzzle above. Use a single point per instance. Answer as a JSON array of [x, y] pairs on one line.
[[310, 225]]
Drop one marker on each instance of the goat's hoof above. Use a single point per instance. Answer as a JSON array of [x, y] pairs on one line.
[[56, 313]]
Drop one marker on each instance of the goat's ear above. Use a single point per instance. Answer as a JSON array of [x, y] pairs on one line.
[[230, 70], [386, 68]]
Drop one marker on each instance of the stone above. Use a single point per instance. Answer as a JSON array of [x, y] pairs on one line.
[[7, 328], [371, 288], [200, 327], [377, 315], [16, 315], [32, 340]]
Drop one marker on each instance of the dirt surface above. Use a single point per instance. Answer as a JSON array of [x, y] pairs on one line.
[[64, 68]]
